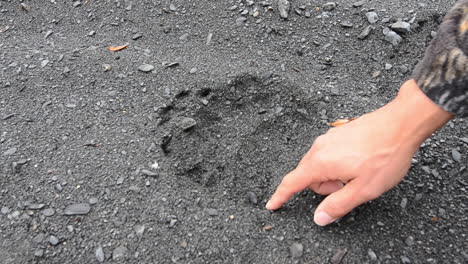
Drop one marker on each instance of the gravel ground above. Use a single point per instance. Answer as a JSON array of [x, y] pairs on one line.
[[166, 151]]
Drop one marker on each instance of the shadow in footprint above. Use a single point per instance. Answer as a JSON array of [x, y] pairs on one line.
[[248, 133]]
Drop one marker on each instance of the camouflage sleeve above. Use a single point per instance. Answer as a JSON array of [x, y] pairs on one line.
[[443, 72]]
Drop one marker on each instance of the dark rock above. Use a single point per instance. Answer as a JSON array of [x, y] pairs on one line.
[[252, 197], [339, 255]]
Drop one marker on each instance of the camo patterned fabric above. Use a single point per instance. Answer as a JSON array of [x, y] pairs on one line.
[[443, 72]]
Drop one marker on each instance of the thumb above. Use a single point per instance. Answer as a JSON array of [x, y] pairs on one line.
[[341, 202]]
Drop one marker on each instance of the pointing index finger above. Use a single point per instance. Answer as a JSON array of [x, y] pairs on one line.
[[295, 181]]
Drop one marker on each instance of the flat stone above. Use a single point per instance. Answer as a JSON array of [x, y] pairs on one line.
[[149, 173], [358, 4], [146, 67], [393, 38], [77, 209], [339, 255], [48, 212], [39, 253], [93, 200], [409, 241], [456, 155], [404, 202], [283, 7], [139, 230], [212, 212], [240, 20], [372, 17], [5, 210], [329, 6], [405, 260], [365, 32], [401, 27], [187, 123], [252, 197], [10, 151], [34, 206], [136, 36], [346, 24], [99, 254], [296, 250], [119, 253], [53, 240], [372, 255]]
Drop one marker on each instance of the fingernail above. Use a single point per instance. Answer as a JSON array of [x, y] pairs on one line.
[[322, 219], [268, 205]]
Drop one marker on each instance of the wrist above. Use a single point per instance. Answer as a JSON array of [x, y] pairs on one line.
[[418, 116]]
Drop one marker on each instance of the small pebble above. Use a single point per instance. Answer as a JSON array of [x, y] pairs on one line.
[[372, 17], [119, 253], [404, 202], [99, 254], [77, 209], [39, 253], [409, 241], [283, 7], [93, 200], [456, 155], [145, 67], [329, 6], [405, 260], [212, 212], [296, 250], [339, 255], [365, 32], [252, 198], [372, 255], [149, 173], [48, 212], [53, 240], [187, 123]]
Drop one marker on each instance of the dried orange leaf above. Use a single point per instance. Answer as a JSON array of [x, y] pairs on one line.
[[118, 48], [340, 122]]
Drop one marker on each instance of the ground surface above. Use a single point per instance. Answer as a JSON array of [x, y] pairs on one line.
[[82, 124]]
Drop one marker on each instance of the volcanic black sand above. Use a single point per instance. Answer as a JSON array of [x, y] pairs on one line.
[[166, 151]]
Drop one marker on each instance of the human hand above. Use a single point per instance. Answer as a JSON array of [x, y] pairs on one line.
[[359, 161]]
